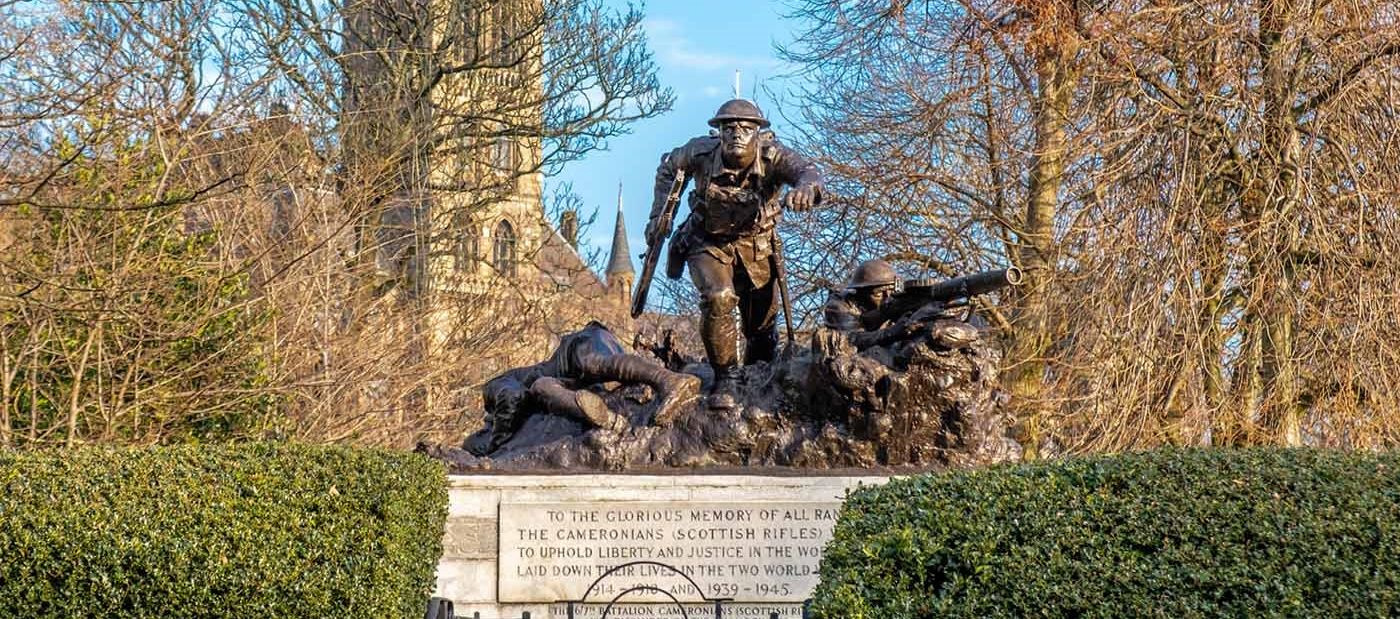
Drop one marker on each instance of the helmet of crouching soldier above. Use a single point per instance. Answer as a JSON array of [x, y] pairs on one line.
[[872, 274]]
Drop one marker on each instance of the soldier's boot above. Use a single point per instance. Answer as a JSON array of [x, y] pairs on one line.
[[582, 405], [725, 394], [673, 390], [504, 397]]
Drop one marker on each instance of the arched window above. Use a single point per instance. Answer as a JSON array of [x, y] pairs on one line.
[[505, 249], [467, 250]]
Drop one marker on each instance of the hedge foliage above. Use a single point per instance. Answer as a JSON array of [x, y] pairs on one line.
[[254, 531], [1198, 533]]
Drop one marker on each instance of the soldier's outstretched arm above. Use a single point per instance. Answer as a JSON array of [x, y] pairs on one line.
[[901, 329], [804, 177]]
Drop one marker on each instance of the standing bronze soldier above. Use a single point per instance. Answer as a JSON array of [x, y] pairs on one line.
[[728, 240]]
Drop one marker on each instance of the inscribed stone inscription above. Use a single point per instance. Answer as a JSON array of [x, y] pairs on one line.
[[748, 552]]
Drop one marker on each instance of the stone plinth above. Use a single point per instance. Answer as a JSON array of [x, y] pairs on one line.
[[518, 543]]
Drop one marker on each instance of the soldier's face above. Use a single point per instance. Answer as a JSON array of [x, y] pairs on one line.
[[738, 139], [875, 296]]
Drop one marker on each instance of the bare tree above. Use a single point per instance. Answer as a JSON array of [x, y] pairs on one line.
[[238, 217], [1198, 188]]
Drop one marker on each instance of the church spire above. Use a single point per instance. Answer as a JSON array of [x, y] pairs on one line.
[[620, 263]]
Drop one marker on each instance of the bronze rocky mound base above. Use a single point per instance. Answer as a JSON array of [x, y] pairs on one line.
[[928, 400]]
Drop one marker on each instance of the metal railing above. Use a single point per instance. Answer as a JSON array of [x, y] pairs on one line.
[[440, 608]]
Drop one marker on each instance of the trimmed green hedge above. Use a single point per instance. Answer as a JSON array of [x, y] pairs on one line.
[[256, 531], [1253, 533]]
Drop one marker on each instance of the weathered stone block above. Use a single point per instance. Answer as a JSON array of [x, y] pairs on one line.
[[470, 538]]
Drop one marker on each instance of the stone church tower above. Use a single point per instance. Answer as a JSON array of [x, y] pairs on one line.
[[465, 221]]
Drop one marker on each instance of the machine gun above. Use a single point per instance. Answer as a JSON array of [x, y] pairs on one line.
[[917, 293]]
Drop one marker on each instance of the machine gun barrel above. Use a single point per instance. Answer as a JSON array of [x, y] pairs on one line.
[[964, 287], [920, 292]]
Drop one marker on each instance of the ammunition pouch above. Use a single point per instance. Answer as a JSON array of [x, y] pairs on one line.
[[678, 250], [675, 260], [727, 211]]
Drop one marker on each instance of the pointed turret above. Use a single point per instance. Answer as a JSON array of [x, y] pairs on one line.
[[620, 273]]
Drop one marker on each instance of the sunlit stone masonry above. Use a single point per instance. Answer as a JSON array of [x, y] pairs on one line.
[[650, 544]]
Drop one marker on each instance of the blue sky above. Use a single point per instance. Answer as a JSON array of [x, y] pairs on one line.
[[697, 54]]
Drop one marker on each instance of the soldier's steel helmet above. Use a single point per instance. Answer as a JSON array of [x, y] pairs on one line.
[[739, 109], [872, 273]]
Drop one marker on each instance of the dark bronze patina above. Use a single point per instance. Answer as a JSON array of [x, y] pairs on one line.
[[560, 386], [926, 395], [656, 237], [727, 241], [873, 282], [918, 293]]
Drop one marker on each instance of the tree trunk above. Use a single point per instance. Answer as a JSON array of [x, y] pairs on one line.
[[8, 371], [1056, 79], [1279, 418], [1224, 428], [74, 400]]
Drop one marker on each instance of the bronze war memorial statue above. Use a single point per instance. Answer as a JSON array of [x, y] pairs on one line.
[[901, 373], [730, 243]]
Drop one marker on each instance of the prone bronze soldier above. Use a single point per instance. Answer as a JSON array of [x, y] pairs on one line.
[[728, 239], [558, 385]]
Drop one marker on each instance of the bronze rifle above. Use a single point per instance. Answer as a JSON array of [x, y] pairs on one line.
[[655, 242]]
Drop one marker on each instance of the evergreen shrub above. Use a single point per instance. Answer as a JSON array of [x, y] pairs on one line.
[[255, 531], [1171, 533]]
